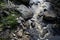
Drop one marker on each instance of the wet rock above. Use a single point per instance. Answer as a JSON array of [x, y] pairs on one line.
[[50, 16], [54, 2], [55, 5], [25, 12], [56, 29], [33, 33]]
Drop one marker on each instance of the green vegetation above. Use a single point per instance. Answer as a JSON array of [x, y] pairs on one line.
[[9, 19]]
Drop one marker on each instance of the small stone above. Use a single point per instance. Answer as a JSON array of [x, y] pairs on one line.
[[26, 37], [14, 35], [20, 19], [20, 33], [27, 33]]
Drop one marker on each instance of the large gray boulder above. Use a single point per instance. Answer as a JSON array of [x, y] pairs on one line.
[[25, 12], [55, 5], [50, 17], [50, 14]]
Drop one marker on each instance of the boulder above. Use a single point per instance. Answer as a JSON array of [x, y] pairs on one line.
[[25, 12], [49, 16]]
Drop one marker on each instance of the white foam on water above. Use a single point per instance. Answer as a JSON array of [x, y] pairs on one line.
[[36, 9], [31, 1]]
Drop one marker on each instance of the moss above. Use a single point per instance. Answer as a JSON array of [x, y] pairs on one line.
[[1, 24], [14, 12], [10, 20], [2, 5], [1, 1]]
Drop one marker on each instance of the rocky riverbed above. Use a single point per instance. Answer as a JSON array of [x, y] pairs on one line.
[[29, 20]]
